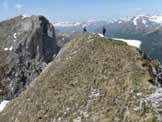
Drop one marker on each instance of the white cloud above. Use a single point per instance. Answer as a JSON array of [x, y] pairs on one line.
[[18, 6]]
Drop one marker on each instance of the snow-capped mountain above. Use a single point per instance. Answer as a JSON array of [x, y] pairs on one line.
[[135, 25], [146, 20], [146, 28], [116, 28]]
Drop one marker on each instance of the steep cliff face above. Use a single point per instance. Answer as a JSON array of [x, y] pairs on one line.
[[30, 43], [92, 79]]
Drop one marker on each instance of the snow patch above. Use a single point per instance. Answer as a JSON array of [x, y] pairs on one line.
[[134, 43], [6, 49], [15, 37], [138, 17], [11, 48], [135, 20], [156, 18], [101, 35], [3, 105], [119, 22], [145, 23]]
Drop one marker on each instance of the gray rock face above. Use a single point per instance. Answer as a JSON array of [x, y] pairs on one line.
[[31, 44]]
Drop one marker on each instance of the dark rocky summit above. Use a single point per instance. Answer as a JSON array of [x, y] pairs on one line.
[[28, 45]]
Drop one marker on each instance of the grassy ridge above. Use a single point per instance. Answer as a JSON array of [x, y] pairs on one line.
[[93, 79]]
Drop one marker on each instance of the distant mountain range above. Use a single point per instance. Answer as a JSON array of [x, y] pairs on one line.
[[143, 23], [138, 25], [146, 28], [92, 26]]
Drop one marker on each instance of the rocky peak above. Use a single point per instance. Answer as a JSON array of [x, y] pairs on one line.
[[31, 44]]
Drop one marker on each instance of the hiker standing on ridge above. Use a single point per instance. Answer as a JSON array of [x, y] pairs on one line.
[[103, 30], [84, 29]]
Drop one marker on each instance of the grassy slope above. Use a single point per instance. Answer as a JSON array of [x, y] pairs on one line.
[[92, 80]]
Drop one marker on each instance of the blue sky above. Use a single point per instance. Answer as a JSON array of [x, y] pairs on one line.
[[79, 10]]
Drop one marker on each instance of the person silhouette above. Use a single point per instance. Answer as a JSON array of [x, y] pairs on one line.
[[104, 30], [84, 29]]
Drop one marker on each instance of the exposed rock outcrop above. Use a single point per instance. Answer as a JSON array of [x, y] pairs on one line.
[[31, 44], [154, 67]]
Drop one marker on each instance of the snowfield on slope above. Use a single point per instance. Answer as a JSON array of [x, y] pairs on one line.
[[134, 43], [101, 35], [3, 104]]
